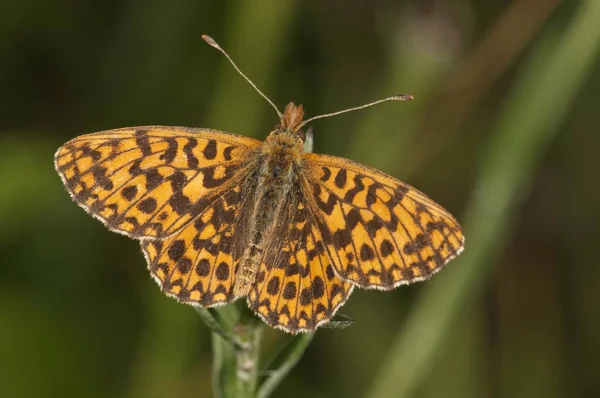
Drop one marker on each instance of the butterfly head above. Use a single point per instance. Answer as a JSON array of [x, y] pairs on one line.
[[292, 117], [288, 134]]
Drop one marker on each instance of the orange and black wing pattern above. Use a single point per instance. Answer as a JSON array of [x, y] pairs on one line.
[[197, 265], [296, 287], [381, 233], [150, 182]]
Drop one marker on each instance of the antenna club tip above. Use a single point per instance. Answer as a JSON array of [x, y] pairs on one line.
[[210, 41], [404, 97]]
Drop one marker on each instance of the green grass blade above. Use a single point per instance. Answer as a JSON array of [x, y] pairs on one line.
[[542, 96], [288, 358], [256, 40]]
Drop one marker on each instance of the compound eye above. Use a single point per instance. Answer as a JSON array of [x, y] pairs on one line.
[[301, 134]]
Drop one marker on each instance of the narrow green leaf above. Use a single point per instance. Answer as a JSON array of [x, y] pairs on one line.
[[286, 360], [542, 95]]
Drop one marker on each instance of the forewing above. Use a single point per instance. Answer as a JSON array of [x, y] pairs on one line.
[[296, 288], [197, 264], [382, 232], [150, 181]]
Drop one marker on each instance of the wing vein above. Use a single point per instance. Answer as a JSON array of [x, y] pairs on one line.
[[356, 254], [392, 235], [187, 246]]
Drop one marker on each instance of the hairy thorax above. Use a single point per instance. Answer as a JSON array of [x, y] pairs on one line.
[[281, 156]]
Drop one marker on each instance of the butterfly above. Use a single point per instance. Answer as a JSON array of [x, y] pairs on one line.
[[222, 217]]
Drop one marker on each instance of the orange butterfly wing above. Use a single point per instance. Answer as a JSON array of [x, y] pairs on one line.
[[379, 231], [296, 287], [197, 265], [185, 194], [147, 182]]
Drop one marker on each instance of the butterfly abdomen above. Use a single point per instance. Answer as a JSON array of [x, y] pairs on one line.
[[276, 177]]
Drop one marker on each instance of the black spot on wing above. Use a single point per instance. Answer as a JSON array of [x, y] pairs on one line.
[[203, 267], [306, 296], [340, 178], [153, 179], [101, 178], [326, 174], [327, 206], [180, 203], [386, 248], [351, 193], [318, 287], [184, 265], [192, 160], [143, 142], [147, 205], [366, 253], [210, 151], [273, 286], [169, 155], [289, 292], [178, 180], [129, 192], [227, 152], [222, 271], [176, 250]]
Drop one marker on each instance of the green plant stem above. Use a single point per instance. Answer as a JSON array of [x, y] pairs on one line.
[[223, 370], [248, 331], [217, 328], [247, 360], [542, 96], [288, 357], [236, 347]]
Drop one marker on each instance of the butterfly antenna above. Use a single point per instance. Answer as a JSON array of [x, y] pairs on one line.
[[214, 44], [401, 97]]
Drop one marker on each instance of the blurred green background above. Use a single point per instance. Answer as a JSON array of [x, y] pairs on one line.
[[503, 132]]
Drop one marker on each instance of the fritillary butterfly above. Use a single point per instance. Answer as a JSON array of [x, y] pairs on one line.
[[222, 216]]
